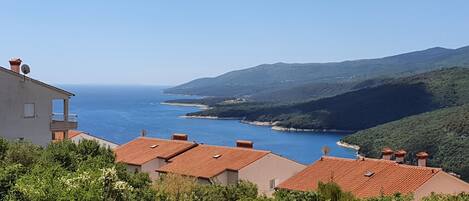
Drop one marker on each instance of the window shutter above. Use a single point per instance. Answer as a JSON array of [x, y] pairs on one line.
[[29, 110]]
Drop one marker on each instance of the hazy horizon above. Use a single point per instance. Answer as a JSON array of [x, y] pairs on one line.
[[168, 43]]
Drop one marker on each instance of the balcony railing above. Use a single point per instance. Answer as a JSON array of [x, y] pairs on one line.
[[58, 122], [61, 117]]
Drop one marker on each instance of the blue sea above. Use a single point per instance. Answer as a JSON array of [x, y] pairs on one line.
[[119, 113]]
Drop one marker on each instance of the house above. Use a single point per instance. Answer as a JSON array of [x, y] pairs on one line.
[[228, 165], [26, 107], [146, 154], [366, 177], [77, 136]]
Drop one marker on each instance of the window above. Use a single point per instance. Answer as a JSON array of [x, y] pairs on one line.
[[29, 110], [273, 183]]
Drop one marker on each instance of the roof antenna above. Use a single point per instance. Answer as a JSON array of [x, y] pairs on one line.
[[325, 150]]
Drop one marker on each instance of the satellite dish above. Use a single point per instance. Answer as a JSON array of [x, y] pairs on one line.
[[25, 69]]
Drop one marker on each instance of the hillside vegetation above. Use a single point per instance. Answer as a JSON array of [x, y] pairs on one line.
[[363, 108], [281, 80], [443, 133]]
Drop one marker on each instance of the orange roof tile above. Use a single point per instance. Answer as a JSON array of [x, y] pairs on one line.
[[207, 161], [384, 176], [71, 133], [144, 149]]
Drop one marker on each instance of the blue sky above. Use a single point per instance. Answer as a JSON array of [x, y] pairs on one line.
[[170, 42]]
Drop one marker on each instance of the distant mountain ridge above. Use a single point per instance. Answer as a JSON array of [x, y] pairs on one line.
[[271, 78]]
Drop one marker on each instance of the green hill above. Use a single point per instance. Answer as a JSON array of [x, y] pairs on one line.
[[443, 133], [363, 108], [280, 80]]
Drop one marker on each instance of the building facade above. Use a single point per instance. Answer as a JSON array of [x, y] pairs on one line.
[[229, 165], [26, 108]]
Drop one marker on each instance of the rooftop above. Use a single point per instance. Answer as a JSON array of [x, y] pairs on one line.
[[207, 161], [144, 149], [363, 177]]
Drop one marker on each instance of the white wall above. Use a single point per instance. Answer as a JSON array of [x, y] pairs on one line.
[[151, 166], [442, 182], [226, 177], [14, 93], [101, 142], [268, 168], [148, 167]]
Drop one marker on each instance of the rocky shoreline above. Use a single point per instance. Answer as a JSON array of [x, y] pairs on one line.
[[209, 117], [258, 123], [347, 145], [200, 106]]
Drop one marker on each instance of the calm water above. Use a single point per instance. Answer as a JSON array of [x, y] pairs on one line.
[[119, 113]]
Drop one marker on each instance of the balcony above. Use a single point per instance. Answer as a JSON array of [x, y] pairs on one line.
[[60, 123]]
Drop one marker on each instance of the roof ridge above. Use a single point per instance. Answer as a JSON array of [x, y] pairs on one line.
[[37, 81], [235, 148], [166, 140], [419, 167]]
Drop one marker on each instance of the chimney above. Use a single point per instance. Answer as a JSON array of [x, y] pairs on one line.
[[422, 159], [179, 136], [400, 155], [244, 144], [387, 153], [15, 64]]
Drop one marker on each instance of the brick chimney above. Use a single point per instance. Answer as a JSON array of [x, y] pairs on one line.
[[387, 153], [244, 144], [400, 155], [15, 64], [422, 159], [179, 136]]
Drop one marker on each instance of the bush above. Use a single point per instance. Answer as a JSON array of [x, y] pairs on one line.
[[440, 197], [67, 171]]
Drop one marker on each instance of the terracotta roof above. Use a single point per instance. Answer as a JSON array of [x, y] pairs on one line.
[[207, 161], [364, 178], [36, 81], [144, 149]]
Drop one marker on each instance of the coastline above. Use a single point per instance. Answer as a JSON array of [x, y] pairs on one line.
[[273, 125], [347, 145], [203, 107], [259, 123], [279, 128], [209, 117]]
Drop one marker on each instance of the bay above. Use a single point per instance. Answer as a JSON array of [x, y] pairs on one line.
[[119, 113]]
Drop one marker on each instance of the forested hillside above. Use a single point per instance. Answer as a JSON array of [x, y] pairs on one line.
[[275, 81], [363, 108], [444, 134]]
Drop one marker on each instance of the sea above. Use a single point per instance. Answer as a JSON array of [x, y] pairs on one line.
[[119, 113]]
